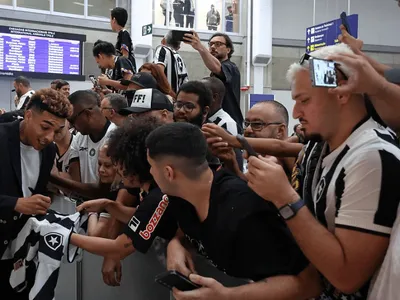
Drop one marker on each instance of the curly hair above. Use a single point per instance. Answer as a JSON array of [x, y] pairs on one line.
[[52, 101], [127, 146]]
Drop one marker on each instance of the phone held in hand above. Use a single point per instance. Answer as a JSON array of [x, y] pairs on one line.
[[93, 80], [174, 279], [323, 73], [345, 22], [246, 146], [178, 35]]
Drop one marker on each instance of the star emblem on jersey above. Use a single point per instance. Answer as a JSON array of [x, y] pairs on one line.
[[53, 240], [92, 152], [321, 188]]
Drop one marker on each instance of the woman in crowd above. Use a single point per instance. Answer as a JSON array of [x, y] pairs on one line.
[[162, 81]]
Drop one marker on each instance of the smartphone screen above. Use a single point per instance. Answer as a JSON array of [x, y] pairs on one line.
[[93, 80], [177, 35], [323, 73], [175, 279]]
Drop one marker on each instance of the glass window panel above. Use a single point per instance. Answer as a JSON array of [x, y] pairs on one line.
[[35, 4], [232, 16], [100, 8], [6, 2], [75, 7], [160, 12], [209, 14]]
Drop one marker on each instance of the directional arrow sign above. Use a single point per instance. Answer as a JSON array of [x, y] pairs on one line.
[[326, 34], [147, 29]]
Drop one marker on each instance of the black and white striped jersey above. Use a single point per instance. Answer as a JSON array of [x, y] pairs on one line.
[[224, 120], [355, 186], [175, 68], [38, 250]]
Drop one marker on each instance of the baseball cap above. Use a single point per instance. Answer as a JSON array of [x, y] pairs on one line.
[[142, 79], [146, 100], [393, 75]]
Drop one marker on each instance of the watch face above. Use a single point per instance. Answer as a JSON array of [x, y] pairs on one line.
[[286, 212]]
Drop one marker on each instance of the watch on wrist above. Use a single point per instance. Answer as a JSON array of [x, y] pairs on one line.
[[290, 210]]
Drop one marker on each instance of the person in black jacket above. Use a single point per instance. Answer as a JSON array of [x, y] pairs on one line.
[[26, 158]]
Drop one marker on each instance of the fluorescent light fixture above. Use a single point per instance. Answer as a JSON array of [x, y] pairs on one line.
[[82, 4]]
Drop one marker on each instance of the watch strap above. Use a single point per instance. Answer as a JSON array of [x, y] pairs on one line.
[[297, 205]]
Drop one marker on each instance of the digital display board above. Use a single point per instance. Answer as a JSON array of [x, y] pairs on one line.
[[40, 53], [326, 34]]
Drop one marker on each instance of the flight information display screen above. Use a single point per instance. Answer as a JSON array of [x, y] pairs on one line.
[[40, 53]]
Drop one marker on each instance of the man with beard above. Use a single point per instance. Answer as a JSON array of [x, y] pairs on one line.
[[27, 156], [348, 182], [22, 88], [192, 103], [217, 59]]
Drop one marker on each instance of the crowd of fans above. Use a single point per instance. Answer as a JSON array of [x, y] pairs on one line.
[[155, 158]]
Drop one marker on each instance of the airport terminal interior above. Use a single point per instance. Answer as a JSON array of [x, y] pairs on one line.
[[199, 149]]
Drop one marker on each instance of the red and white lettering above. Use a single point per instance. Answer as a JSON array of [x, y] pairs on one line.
[[155, 218]]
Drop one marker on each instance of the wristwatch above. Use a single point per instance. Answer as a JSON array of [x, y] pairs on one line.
[[290, 210]]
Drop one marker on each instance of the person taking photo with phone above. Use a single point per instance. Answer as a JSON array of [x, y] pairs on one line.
[[217, 59]]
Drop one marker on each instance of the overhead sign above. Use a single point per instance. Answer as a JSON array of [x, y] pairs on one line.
[[147, 29], [326, 34], [255, 98]]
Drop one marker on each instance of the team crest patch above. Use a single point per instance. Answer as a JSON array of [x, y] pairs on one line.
[[53, 240], [92, 152]]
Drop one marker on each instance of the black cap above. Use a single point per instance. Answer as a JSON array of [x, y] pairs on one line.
[[143, 79], [146, 100], [393, 75]]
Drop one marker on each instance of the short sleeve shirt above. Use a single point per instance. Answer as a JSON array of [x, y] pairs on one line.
[[355, 187], [230, 76], [87, 152], [152, 219], [122, 66], [243, 235]]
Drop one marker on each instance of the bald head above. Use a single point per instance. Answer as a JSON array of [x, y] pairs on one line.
[[85, 98], [217, 88], [267, 119], [280, 112]]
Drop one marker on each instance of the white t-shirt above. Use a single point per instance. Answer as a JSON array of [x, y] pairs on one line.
[[30, 168], [87, 151], [23, 98], [386, 284]]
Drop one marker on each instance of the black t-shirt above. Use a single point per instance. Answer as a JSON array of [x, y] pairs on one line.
[[230, 76], [151, 219], [124, 41], [122, 66], [243, 235]]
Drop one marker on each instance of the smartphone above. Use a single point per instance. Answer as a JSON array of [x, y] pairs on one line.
[[345, 22], [246, 146], [177, 35], [177, 280], [93, 80], [323, 73]]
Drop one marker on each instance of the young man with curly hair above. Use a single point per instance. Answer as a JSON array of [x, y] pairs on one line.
[[26, 157]]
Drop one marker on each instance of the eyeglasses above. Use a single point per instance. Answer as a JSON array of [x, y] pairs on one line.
[[216, 44], [187, 106], [306, 57], [257, 126], [106, 108], [73, 119]]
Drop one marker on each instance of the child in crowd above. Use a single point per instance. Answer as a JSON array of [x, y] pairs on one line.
[[124, 45]]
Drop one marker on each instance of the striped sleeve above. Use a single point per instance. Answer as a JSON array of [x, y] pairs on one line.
[[160, 57], [367, 193]]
